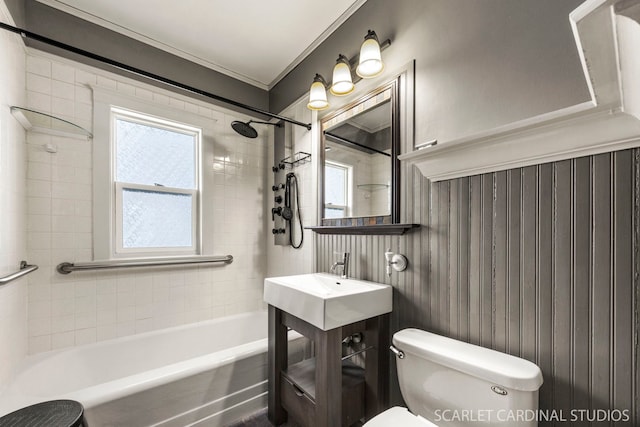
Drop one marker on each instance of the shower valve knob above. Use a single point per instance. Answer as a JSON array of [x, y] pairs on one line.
[[278, 231], [277, 187], [278, 199], [274, 212]]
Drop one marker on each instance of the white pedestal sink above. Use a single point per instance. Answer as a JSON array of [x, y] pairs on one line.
[[326, 300]]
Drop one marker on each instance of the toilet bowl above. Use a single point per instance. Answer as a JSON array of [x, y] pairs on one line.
[[446, 382]]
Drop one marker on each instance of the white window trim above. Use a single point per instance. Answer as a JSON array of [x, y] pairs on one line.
[[104, 193], [162, 123]]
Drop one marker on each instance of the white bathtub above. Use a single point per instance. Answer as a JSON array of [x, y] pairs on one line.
[[210, 373]]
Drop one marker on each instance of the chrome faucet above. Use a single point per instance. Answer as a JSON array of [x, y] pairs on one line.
[[344, 264]]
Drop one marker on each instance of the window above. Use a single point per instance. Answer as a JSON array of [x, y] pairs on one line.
[[152, 192], [155, 184], [336, 184]]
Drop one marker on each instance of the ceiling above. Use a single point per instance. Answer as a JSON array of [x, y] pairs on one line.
[[255, 41]]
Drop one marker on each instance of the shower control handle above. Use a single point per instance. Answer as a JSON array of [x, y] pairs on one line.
[[274, 212], [278, 230], [278, 199], [277, 187]]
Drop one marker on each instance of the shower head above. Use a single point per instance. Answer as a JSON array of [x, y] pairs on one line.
[[245, 129]]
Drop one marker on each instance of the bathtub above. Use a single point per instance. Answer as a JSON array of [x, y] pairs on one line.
[[210, 373]]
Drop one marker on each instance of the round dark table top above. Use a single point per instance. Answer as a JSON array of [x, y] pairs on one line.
[[54, 413]]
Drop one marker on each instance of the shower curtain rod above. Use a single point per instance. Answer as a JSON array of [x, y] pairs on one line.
[[128, 68]]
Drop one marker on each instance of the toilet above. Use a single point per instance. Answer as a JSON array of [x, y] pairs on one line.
[[446, 382]]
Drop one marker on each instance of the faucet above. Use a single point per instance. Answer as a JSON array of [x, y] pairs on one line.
[[344, 263]]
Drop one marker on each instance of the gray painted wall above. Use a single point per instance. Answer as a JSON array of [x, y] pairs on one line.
[[16, 8], [479, 63], [63, 27], [541, 262]]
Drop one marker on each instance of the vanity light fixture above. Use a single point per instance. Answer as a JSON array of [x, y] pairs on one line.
[[370, 62], [369, 65], [318, 94], [342, 83]]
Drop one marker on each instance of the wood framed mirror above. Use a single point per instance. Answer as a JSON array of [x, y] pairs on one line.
[[360, 171]]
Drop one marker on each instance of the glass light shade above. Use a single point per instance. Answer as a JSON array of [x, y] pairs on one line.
[[317, 96], [342, 82], [370, 64]]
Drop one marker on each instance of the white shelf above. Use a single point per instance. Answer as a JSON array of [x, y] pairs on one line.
[[372, 187]]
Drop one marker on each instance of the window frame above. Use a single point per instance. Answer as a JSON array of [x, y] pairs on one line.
[[103, 198]]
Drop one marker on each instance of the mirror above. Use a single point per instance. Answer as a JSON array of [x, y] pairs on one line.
[[359, 166]]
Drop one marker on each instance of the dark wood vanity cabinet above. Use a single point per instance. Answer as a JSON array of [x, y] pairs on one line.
[[298, 392], [326, 391]]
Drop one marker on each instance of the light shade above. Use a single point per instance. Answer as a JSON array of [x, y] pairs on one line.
[[342, 84], [318, 94], [370, 63]]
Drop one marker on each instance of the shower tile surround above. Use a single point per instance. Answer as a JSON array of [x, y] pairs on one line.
[[77, 309]]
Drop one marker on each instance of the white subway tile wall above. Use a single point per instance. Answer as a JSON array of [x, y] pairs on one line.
[[13, 214], [380, 174], [85, 307]]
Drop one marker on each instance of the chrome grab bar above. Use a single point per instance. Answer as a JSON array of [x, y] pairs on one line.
[[24, 269], [68, 267]]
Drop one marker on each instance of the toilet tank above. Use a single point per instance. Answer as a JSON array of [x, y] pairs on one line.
[[453, 383]]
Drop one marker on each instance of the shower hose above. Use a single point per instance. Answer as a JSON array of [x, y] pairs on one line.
[[292, 180]]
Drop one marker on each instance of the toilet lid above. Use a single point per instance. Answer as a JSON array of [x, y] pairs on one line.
[[398, 416]]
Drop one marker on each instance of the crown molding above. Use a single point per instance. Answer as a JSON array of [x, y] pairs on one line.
[[318, 41]]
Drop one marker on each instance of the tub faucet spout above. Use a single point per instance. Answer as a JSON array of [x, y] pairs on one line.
[[344, 264]]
